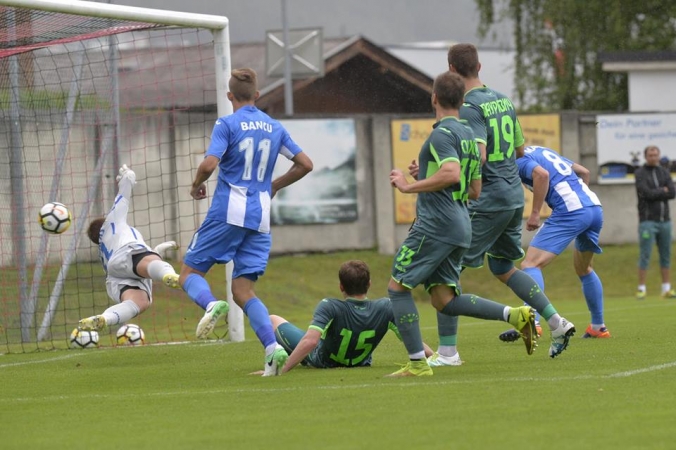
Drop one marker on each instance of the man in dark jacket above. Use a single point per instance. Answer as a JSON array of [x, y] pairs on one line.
[[654, 188]]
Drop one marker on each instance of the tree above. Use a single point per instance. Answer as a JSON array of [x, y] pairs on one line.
[[558, 43]]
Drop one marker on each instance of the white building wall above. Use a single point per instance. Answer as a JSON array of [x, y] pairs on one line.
[[652, 91]]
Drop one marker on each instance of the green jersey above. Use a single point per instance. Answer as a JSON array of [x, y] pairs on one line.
[[492, 117], [443, 214], [351, 329]]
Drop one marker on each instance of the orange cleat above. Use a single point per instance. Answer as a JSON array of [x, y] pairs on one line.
[[592, 333]]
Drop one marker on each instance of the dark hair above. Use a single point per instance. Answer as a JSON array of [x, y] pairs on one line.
[[650, 147], [449, 89], [95, 229], [355, 277], [465, 59], [243, 84]]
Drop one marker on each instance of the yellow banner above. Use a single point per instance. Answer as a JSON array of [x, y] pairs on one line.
[[408, 136]]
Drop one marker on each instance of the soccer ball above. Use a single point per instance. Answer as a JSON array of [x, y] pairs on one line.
[[130, 334], [55, 218], [84, 339]]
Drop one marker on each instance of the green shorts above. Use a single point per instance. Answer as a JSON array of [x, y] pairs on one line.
[[496, 233], [422, 259]]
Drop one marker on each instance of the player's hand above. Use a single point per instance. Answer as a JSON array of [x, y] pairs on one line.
[[413, 169], [126, 172], [199, 192], [398, 180], [533, 222]]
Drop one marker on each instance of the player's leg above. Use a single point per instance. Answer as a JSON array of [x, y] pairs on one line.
[[251, 259], [411, 266], [214, 242], [132, 297], [646, 239], [287, 334], [663, 240], [151, 265]]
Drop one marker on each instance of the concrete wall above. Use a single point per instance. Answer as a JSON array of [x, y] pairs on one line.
[[165, 150]]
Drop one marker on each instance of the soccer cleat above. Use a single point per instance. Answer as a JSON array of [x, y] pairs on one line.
[[208, 322], [413, 369], [93, 323], [275, 361], [171, 280], [599, 334], [513, 335], [523, 319], [561, 337], [437, 360], [640, 295], [669, 294]]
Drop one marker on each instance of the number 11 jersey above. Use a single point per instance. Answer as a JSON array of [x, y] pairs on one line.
[[247, 143]]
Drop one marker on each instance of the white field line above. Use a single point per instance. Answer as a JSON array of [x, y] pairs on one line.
[[304, 388]]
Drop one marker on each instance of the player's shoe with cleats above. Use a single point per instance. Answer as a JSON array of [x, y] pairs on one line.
[[171, 280], [598, 334], [93, 323], [561, 337], [640, 295], [513, 335], [669, 294], [437, 360], [523, 319], [413, 369], [275, 361], [208, 321]]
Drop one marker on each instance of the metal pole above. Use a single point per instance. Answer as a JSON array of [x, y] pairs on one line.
[[56, 179], [288, 82]]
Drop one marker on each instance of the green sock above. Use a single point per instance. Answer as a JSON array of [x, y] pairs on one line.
[[474, 306], [528, 290], [407, 320]]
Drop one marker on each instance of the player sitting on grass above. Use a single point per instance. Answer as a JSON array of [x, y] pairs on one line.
[[129, 263], [343, 333]]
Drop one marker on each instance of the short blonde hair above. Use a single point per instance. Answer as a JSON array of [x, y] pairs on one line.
[[243, 84]]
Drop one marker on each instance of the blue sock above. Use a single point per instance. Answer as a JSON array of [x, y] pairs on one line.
[[536, 274], [260, 321], [593, 294], [198, 290]]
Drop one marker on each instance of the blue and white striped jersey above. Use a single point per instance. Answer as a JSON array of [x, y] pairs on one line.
[[567, 192], [247, 144], [116, 233]]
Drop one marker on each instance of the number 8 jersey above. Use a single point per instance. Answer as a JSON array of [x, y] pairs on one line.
[[247, 143], [567, 192]]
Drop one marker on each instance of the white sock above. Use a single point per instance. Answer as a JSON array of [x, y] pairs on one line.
[[641, 287], [554, 321], [210, 305], [419, 355], [269, 350], [447, 350], [157, 269], [505, 313], [121, 313], [666, 287]]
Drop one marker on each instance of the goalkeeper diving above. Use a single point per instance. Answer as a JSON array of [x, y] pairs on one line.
[[130, 264]]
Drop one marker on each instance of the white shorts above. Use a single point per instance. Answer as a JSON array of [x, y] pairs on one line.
[[121, 272]]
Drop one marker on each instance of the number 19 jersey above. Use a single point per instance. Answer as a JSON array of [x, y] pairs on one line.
[[247, 143]]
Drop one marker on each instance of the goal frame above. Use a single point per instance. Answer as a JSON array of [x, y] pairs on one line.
[[219, 28]]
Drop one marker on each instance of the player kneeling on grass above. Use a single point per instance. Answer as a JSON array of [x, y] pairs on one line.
[[130, 265], [343, 333]]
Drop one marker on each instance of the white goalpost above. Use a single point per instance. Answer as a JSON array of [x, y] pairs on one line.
[[88, 86]]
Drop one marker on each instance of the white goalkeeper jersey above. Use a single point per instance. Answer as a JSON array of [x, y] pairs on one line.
[[116, 234]]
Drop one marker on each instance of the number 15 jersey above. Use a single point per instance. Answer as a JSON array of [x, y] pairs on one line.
[[247, 143]]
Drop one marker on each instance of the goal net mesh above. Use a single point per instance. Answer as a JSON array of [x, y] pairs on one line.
[[80, 96]]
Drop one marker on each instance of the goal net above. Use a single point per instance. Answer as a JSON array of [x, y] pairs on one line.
[[84, 88]]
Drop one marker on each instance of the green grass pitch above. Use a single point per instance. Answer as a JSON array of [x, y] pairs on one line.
[[617, 393]]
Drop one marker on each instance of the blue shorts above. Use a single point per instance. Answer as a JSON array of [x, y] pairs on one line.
[[218, 242], [558, 231]]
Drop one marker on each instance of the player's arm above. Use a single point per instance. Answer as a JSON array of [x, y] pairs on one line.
[[307, 343], [519, 140], [125, 183], [533, 171], [198, 190], [582, 172], [302, 165], [474, 189]]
